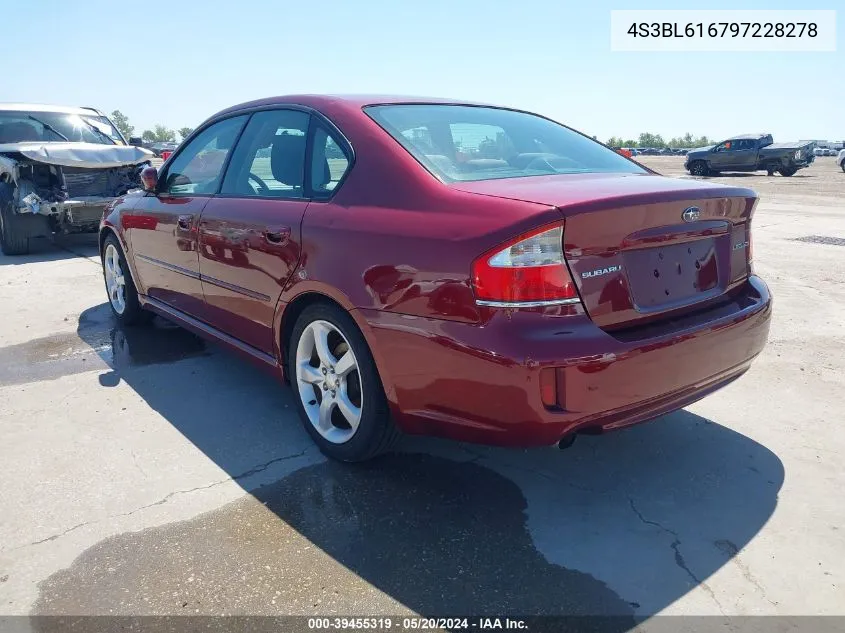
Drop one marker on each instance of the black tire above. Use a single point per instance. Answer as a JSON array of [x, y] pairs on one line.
[[770, 171], [842, 165], [787, 171], [14, 229], [133, 313], [699, 168], [376, 433]]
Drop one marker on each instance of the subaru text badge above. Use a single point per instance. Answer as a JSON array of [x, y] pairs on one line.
[[601, 271]]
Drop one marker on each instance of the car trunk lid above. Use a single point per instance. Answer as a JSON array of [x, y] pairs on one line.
[[643, 247]]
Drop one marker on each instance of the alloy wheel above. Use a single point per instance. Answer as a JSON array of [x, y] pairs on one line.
[[329, 381], [115, 279]]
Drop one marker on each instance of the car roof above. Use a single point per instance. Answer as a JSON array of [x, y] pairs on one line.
[[363, 99], [746, 136], [352, 101], [42, 107]]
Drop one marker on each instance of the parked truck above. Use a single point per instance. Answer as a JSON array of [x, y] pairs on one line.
[[750, 152]]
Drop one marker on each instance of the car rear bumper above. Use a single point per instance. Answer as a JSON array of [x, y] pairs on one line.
[[482, 383]]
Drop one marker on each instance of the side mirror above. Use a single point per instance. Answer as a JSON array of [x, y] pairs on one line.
[[149, 179], [137, 141]]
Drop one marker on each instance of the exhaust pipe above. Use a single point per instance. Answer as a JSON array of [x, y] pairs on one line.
[[566, 441]]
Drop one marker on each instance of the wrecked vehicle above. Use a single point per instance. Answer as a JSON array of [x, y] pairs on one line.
[[59, 168]]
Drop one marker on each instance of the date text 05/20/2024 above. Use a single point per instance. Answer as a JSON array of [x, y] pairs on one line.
[[417, 623]]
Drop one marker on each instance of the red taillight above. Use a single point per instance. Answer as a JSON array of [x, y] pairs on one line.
[[165, 155], [530, 269]]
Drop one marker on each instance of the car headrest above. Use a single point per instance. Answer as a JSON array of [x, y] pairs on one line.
[[321, 177], [287, 159]]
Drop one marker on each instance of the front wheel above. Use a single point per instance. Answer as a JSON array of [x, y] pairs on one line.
[[699, 168], [14, 236], [337, 387], [788, 171], [842, 165], [123, 296]]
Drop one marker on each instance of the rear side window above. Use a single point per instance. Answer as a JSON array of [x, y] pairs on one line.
[[464, 143], [198, 167], [329, 163], [269, 160]]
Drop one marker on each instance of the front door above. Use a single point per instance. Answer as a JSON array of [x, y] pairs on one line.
[[162, 228], [723, 155], [249, 234]]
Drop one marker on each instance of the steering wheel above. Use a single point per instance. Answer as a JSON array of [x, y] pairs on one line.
[[263, 189]]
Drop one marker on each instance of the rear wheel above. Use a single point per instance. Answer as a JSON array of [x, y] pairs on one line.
[[699, 168], [14, 233], [842, 165], [787, 171], [337, 387]]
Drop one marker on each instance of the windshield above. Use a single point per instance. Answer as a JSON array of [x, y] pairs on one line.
[[22, 126], [462, 143]]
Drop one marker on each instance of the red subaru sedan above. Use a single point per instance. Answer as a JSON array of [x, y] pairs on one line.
[[440, 267]]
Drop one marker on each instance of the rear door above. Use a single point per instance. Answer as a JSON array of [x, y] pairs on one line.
[[250, 234], [162, 228]]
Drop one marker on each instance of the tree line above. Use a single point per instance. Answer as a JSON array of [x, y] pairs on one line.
[[159, 133], [656, 140]]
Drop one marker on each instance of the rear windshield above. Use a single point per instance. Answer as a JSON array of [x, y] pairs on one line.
[[462, 143]]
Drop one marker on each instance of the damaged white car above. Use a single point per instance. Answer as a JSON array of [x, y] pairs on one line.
[[59, 168]]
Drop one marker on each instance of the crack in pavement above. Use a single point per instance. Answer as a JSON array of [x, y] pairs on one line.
[[248, 473], [679, 557], [732, 551]]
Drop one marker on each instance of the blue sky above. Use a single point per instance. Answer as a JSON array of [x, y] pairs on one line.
[[187, 59]]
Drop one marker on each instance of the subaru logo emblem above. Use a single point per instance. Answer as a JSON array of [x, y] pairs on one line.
[[691, 214]]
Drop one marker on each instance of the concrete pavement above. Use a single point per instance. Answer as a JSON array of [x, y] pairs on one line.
[[147, 472]]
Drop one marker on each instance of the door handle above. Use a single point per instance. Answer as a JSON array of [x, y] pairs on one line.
[[277, 235], [184, 222]]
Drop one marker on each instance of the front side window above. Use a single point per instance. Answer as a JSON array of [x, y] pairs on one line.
[[269, 160], [464, 143], [198, 167]]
